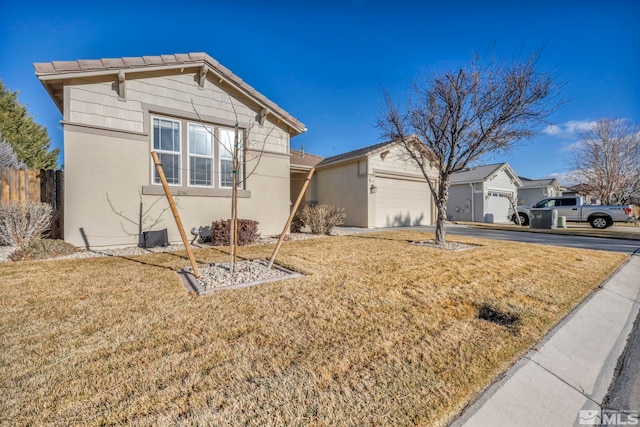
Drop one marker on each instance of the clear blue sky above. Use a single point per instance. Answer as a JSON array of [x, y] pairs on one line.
[[326, 62]]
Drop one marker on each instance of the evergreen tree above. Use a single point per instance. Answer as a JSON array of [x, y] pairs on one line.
[[29, 140]]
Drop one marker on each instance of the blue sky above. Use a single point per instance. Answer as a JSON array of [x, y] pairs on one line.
[[326, 62]]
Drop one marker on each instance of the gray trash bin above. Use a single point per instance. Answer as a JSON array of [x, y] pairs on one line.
[[543, 218]]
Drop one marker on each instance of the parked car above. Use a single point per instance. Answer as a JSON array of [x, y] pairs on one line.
[[575, 210]]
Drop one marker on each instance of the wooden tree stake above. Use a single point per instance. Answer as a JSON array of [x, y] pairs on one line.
[[176, 216], [291, 215]]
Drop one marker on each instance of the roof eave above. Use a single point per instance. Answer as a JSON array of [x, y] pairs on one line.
[[220, 71]]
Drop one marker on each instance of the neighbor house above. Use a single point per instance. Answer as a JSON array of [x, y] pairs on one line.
[[183, 106], [534, 190], [378, 186], [481, 194], [585, 191]]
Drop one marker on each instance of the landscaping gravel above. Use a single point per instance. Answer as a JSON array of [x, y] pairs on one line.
[[219, 274], [5, 251], [450, 246]]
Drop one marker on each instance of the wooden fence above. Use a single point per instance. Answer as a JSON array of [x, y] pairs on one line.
[[46, 186]]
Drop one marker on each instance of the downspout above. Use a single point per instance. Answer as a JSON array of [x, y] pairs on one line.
[[473, 217]]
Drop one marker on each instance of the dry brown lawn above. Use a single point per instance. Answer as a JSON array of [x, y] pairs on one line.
[[379, 332]]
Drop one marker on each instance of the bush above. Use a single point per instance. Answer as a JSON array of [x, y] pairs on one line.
[[322, 218], [297, 224], [247, 232], [20, 222], [42, 249]]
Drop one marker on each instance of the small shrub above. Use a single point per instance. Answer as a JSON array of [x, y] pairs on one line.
[[322, 218], [221, 230], [42, 249], [297, 224], [22, 221]]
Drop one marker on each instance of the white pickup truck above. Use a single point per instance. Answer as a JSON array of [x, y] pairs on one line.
[[574, 209]]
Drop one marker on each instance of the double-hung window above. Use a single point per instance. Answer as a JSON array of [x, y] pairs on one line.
[[227, 141], [166, 141], [200, 155], [196, 156]]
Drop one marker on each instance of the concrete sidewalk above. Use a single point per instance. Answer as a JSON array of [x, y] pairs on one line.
[[571, 369]]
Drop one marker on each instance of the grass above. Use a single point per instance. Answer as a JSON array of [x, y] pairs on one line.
[[379, 332]]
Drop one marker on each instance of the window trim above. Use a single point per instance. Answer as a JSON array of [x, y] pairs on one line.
[[211, 130], [220, 158], [160, 151], [184, 187]]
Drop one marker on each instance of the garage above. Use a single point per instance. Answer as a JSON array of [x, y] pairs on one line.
[[401, 202], [497, 207]]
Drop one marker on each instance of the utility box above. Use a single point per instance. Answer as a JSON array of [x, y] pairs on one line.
[[543, 218], [562, 222]]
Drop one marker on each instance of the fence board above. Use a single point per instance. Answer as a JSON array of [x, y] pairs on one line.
[[45, 186]]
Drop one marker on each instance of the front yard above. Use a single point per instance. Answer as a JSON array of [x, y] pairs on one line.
[[378, 332]]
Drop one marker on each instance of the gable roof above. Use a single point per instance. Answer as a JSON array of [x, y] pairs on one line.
[[483, 173], [302, 160], [357, 154], [538, 183], [52, 74]]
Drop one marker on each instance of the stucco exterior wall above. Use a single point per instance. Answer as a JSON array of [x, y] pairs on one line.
[[462, 207], [459, 204], [109, 197], [311, 193], [344, 187], [396, 161], [529, 196]]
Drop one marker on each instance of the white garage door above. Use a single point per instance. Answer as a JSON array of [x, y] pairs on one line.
[[497, 207], [402, 203]]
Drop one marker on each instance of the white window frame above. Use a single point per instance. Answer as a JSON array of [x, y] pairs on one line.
[[160, 151], [212, 157], [226, 155]]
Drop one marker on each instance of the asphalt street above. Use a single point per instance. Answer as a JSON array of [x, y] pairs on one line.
[[597, 243]]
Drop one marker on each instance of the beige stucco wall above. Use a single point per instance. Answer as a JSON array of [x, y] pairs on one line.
[[298, 179], [342, 186], [348, 184], [108, 164], [396, 161]]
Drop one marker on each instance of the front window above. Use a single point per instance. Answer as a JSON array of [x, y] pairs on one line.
[[200, 155], [166, 141], [227, 140], [196, 154]]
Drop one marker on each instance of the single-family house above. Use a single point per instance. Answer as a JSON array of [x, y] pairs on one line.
[[378, 186], [481, 194], [534, 190], [185, 107], [583, 190], [300, 164]]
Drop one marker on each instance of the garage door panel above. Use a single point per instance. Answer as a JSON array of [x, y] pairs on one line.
[[402, 203], [497, 207]]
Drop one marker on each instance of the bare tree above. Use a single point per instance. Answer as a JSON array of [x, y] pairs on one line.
[[455, 117], [237, 146], [607, 160], [8, 157]]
